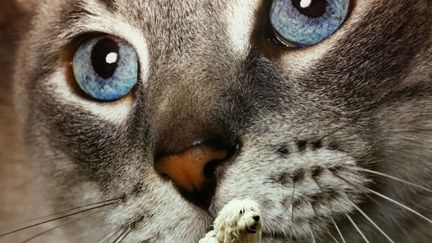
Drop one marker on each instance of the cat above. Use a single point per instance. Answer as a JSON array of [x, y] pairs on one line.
[[142, 119]]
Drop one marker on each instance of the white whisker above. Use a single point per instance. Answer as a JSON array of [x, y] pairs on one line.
[[58, 227], [58, 218], [332, 236], [121, 237], [338, 230], [108, 237], [312, 234], [292, 202], [400, 204], [394, 178], [125, 235], [357, 228], [331, 210], [373, 223]]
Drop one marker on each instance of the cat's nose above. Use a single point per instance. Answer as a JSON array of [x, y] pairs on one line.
[[193, 170]]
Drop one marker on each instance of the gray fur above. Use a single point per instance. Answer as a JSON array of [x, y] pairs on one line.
[[365, 101]]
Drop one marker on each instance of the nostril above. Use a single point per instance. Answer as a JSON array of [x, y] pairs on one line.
[[256, 218], [210, 168], [193, 170]]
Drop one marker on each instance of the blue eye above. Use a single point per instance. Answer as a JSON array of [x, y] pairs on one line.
[[304, 23], [105, 68]]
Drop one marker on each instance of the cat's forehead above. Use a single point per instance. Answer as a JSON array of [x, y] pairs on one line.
[[177, 25], [187, 22]]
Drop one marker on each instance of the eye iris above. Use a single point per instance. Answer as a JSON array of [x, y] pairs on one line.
[[303, 23], [105, 58], [105, 68], [311, 8]]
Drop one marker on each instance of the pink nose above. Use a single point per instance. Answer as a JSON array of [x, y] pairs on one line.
[[187, 169]]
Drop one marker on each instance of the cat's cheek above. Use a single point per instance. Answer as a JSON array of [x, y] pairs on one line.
[[159, 209], [291, 190]]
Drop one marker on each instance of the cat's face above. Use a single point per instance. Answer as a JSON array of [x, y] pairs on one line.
[[296, 126]]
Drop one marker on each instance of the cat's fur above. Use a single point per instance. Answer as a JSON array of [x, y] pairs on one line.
[[362, 98]]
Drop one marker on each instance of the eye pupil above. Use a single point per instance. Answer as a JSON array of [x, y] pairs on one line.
[[105, 58], [311, 8]]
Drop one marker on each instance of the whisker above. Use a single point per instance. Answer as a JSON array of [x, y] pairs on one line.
[[365, 189], [116, 234], [394, 178], [396, 223], [353, 121], [69, 210], [338, 230], [385, 197], [319, 218], [373, 223], [331, 210], [58, 226], [126, 234], [57, 218], [332, 236], [123, 232], [312, 234], [108, 237], [379, 204], [357, 228], [411, 130], [400, 205], [292, 202]]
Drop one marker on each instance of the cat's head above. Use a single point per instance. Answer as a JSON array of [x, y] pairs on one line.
[[178, 107]]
